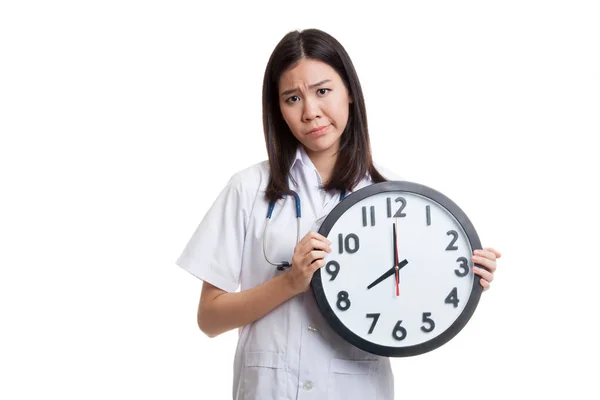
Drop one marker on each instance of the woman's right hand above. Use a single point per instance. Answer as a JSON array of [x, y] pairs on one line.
[[308, 256]]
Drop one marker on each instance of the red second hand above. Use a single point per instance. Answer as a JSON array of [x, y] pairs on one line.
[[396, 255]]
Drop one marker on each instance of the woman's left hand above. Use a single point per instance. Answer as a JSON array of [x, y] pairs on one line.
[[486, 258]]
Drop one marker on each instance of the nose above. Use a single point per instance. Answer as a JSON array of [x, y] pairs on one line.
[[311, 110]]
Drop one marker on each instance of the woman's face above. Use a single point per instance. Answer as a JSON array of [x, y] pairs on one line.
[[314, 103]]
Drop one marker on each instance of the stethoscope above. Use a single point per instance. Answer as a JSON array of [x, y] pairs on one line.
[[283, 265]]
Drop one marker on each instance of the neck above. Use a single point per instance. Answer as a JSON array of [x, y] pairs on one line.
[[324, 162]]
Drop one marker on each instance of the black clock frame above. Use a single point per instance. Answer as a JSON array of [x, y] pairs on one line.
[[476, 290]]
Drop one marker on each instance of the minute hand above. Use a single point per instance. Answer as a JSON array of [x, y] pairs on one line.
[[387, 274]]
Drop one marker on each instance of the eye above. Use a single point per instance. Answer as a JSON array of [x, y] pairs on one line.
[[293, 99], [323, 92]]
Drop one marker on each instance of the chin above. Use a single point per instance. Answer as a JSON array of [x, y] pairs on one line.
[[320, 145]]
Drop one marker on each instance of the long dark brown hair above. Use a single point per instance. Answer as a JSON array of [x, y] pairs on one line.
[[354, 160]]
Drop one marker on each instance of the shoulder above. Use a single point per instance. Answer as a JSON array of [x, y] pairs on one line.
[[248, 182], [250, 176]]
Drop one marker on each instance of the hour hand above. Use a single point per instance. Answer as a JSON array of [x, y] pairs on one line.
[[387, 274]]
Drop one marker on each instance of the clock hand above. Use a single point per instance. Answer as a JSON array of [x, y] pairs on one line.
[[388, 273], [396, 261]]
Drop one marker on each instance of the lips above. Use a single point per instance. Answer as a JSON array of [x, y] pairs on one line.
[[318, 131]]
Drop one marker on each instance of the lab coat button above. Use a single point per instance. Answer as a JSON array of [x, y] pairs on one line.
[[308, 385], [312, 329]]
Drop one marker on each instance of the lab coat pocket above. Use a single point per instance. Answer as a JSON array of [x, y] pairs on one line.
[[352, 379], [264, 376]]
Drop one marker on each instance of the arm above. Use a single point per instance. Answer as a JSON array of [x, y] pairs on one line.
[[220, 311]]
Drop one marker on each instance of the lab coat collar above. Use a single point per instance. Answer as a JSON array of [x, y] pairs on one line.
[[303, 160]]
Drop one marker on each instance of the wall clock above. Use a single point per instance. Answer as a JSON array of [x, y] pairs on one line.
[[399, 280]]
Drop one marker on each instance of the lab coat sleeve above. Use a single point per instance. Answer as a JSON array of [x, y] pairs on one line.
[[214, 252]]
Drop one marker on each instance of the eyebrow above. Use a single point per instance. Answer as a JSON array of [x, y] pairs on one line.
[[310, 87]]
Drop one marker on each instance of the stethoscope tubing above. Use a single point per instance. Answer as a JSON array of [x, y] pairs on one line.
[[283, 265]]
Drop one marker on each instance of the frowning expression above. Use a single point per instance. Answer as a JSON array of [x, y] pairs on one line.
[[314, 103]]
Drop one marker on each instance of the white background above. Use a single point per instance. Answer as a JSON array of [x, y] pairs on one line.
[[121, 121]]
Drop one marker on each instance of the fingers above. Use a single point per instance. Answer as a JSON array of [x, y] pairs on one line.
[[313, 241], [315, 235], [486, 277], [314, 256], [485, 284], [485, 259], [319, 244], [495, 252], [485, 274], [316, 265], [486, 254], [310, 251]]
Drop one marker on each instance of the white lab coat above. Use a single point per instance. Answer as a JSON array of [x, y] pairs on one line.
[[290, 353]]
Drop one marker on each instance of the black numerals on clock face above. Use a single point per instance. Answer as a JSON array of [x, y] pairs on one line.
[[372, 214], [399, 332], [463, 268], [350, 243], [375, 318], [399, 213], [368, 213], [452, 298], [332, 268], [428, 323], [343, 301], [454, 235]]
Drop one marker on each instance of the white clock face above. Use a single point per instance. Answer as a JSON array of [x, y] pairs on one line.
[[435, 277]]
